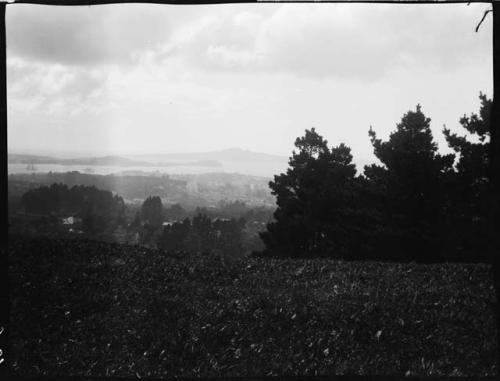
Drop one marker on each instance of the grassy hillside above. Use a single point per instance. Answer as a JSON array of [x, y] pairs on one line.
[[89, 308]]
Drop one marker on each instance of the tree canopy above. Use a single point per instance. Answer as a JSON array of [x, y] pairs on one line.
[[99, 209], [415, 204], [152, 211], [413, 177], [470, 185], [313, 200]]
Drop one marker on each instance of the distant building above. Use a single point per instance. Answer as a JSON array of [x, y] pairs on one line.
[[71, 220]]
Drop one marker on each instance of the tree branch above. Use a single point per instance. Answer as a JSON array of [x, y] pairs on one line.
[[484, 16]]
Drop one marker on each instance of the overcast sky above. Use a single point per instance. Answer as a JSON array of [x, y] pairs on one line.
[[144, 78]]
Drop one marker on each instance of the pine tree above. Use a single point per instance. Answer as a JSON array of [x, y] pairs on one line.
[[412, 178], [152, 211], [469, 193], [313, 201]]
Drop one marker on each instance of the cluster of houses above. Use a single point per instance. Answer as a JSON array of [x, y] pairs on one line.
[[121, 234]]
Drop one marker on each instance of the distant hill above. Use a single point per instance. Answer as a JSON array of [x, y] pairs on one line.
[[113, 161], [232, 160], [104, 160], [30, 159], [227, 155]]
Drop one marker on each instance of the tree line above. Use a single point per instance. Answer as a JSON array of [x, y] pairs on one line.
[[101, 215], [415, 205], [202, 232], [98, 209]]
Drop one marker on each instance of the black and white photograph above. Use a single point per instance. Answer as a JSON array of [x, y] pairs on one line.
[[252, 190]]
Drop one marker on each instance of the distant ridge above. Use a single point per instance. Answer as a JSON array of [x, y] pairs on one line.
[[104, 160], [113, 161], [230, 154]]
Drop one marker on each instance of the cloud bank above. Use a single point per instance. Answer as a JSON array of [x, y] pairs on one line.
[[142, 77]]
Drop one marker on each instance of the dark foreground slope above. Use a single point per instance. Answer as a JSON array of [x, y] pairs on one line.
[[89, 308]]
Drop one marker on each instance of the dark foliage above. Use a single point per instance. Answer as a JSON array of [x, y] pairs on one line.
[[129, 187], [98, 209], [469, 189], [175, 213], [203, 235], [314, 202], [236, 210], [413, 206], [412, 180], [175, 237], [152, 211]]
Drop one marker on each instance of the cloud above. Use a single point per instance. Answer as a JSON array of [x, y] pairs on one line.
[[365, 42], [163, 77], [356, 41], [55, 88], [85, 35]]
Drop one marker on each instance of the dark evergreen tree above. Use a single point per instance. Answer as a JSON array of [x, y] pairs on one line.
[[136, 224], [229, 236], [174, 237], [44, 200], [100, 210], [469, 193], [411, 185], [152, 211], [234, 209], [201, 236], [314, 202], [89, 220], [175, 213]]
